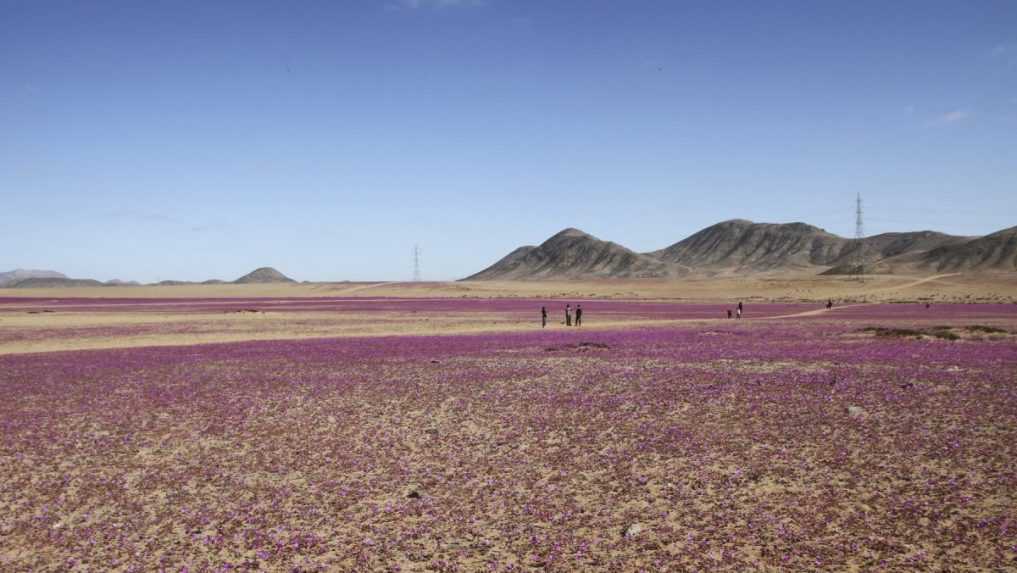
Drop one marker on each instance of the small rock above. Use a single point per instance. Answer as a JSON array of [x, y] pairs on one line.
[[856, 412], [435, 362], [413, 494], [633, 530]]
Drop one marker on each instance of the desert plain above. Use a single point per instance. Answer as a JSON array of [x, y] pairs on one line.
[[438, 427]]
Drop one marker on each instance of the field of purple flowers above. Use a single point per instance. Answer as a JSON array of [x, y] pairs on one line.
[[833, 442], [523, 307], [47, 325]]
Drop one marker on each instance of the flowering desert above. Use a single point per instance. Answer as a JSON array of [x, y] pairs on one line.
[[457, 435]]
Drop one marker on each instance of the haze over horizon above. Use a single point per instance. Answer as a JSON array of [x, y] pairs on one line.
[[191, 140]]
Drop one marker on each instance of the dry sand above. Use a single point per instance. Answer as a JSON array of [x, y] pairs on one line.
[[163, 325], [1001, 287]]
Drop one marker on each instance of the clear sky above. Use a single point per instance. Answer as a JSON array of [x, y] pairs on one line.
[[191, 140]]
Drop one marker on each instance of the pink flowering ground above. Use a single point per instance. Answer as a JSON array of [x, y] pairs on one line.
[[859, 440]]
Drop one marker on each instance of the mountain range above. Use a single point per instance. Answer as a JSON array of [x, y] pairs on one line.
[[22, 278], [741, 246], [10, 277], [729, 247]]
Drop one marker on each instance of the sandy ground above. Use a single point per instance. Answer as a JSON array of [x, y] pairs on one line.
[[162, 325], [22, 333], [87, 331], [876, 288]]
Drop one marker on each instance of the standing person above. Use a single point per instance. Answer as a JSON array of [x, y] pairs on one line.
[[579, 315], [729, 313], [829, 304], [738, 313], [543, 316], [568, 315]]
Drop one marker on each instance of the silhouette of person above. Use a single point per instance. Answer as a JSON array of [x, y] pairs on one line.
[[579, 315], [568, 315], [729, 313], [543, 316], [829, 304], [740, 309]]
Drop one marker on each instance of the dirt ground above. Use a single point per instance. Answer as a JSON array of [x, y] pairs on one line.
[[1000, 287], [166, 323]]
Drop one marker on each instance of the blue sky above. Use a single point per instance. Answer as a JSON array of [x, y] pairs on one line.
[[189, 140]]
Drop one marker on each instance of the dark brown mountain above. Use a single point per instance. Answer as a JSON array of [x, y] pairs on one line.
[[574, 254], [889, 252], [743, 245], [995, 252], [748, 247], [264, 275]]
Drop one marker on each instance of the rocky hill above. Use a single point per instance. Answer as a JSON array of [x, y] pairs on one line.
[[263, 275], [890, 252], [574, 254], [995, 252], [744, 246], [54, 282], [741, 245], [10, 277]]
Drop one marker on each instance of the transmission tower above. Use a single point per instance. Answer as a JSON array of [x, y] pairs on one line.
[[416, 263], [859, 234], [859, 228]]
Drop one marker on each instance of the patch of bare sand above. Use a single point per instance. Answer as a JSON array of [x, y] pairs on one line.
[[985, 287], [79, 331]]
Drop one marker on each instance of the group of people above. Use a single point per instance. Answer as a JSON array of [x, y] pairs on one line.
[[569, 321], [575, 318], [737, 312]]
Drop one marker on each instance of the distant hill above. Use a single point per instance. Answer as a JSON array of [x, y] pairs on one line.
[[118, 282], [741, 245], [574, 254], [171, 282], [264, 275], [54, 282], [11, 277], [890, 252], [745, 246], [995, 252]]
